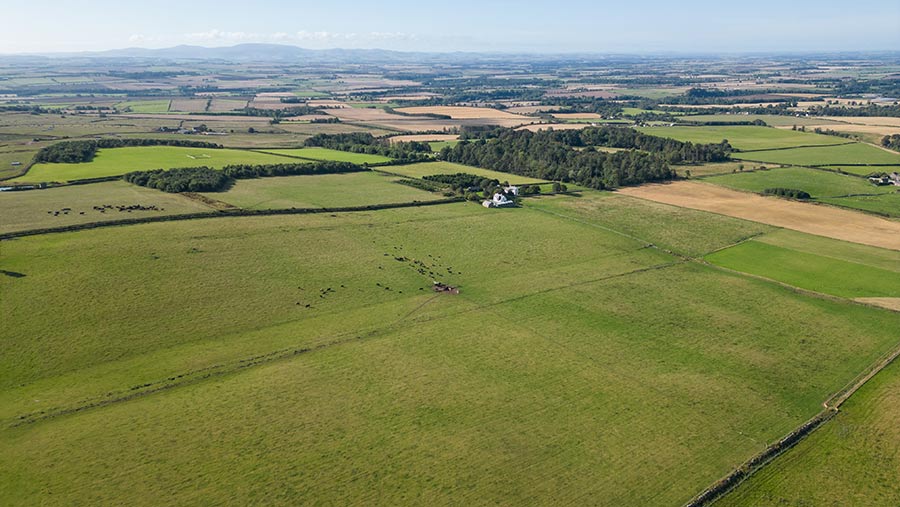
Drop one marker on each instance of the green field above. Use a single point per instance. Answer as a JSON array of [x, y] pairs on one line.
[[716, 168], [326, 154], [823, 186], [854, 459], [883, 204], [325, 191], [431, 168], [744, 137], [855, 153], [144, 106], [117, 161], [437, 146], [613, 356], [34, 209], [818, 272], [770, 119], [864, 170]]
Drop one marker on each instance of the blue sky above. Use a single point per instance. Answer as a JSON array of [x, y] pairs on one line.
[[460, 25]]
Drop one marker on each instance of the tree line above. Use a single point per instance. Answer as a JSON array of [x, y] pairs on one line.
[[552, 155], [74, 152], [205, 179], [364, 142]]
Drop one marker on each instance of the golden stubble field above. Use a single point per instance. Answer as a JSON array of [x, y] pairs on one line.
[[810, 218]]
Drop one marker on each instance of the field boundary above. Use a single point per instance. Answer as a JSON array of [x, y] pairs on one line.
[[831, 408], [796, 147], [223, 214]]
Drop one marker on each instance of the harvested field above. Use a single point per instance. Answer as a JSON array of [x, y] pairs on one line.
[[424, 138], [889, 303], [555, 126], [884, 121], [189, 105], [527, 109], [809, 218], [577, 116], [462, 112], [852, 128], [226, 105]]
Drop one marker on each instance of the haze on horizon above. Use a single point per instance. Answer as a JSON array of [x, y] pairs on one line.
[[466, 25]]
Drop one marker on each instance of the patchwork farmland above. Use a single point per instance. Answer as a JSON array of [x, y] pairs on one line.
[[325, 305]]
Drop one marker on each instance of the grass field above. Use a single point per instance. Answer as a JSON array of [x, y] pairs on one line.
[[821, 273], [144, 106], [854, 459], [744, 138], [431, 168], [717, 168], [326, 154], [34, 209], [610, 357], [856, 153], [326, 191], [770, 119], [437, 146], [117, 161], [823, 186]]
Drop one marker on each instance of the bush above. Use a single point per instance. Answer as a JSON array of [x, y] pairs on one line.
[[787, 192]]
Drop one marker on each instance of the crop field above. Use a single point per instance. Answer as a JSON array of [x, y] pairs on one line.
[[187, 105], [363, 388], [744, 138], [144, 106], [424, 138], [462, 112], [325, 191], [826, 221], [431, 168], [117, 161], [854, 153], [38, 209], [823, 186], [854, 457], [770, 119], [327, 154]]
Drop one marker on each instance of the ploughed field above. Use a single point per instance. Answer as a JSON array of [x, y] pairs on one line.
[[594, 364]]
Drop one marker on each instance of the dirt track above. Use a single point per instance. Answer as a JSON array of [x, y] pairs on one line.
[[804, 217]]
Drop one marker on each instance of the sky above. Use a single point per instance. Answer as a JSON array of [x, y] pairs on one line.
[[573, 26]]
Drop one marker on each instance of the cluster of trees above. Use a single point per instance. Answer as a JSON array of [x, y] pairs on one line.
[[204, 179], [552, 155], [793, 193], [73, 152], [891, 142], [434, 116], [463, 182], [189, 179], [363, 142]]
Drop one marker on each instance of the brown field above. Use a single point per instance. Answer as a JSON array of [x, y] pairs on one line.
[[882, 121], [599, 94], [188, 105], [889, 303], [804, 217], [462, 112], [716, 106], [577, 116], [424, 138], [194, 117], [380, 117], [328, 103], [528, 109], [883, 130], [225, 105], [555, 126]]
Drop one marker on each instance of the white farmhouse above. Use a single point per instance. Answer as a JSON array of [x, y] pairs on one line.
[[499, 201]]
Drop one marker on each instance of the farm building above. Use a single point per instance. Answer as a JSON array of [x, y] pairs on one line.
[[887, 179], [511, 190], [499, 201]]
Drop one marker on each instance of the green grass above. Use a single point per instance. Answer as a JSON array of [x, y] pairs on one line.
[[820, 273], [26, 210], [440, 145], [863, 170], [668, 376], [331, 190], [884, 204], [716, 168], [881, 258], [855, 153], [823, 186], [117, 161], [431, 168], [744, 137], [144, 106], [335, 155], [854, 459], [770, 119]]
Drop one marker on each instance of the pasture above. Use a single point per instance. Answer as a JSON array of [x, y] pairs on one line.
[[858, 154], [62, 206], [818, 272], [610, 357], [715, 168], [432, 168], [854, 457], [320, 191], [744, 137], [327, 154], [118, 161]]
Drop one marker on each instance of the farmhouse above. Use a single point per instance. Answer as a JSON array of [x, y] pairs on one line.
[[511, 190], [499, 201], [886, 179]]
